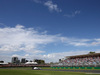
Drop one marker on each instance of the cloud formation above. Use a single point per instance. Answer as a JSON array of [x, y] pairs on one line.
[[52, 7], [49, 3], [20, 38], [81, 42], [28, 43], [73, 14]]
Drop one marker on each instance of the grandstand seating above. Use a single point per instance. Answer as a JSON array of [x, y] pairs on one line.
[[81, 60], [87, 61]]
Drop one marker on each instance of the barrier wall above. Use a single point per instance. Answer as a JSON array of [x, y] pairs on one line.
[[75, 67]]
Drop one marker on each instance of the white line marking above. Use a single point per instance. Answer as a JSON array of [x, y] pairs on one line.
[[92, 73]]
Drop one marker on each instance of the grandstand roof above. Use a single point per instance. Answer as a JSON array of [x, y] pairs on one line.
[[86, 55], [31, 63]]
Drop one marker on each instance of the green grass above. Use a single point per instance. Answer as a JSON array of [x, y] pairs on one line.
[[29, 71]]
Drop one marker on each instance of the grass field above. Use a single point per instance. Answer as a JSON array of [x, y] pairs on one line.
[[29, 71]]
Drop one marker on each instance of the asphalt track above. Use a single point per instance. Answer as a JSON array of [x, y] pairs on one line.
[[86, 71]]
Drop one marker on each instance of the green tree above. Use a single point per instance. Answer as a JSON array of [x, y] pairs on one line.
[[91, 52]]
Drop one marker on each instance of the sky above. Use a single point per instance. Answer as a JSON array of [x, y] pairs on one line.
[[48, 29]]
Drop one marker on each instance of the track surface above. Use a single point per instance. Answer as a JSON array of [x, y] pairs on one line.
[[87, 71]]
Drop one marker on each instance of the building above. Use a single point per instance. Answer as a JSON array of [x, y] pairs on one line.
[[86, 60], [15, 60], [23, 60]]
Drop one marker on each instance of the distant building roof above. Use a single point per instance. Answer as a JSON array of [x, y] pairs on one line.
[[31, 63], [3, 63]]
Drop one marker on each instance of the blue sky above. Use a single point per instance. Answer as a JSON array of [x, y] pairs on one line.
[[48, 29]]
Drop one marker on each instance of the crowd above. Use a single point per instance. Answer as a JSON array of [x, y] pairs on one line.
[[87, 61]]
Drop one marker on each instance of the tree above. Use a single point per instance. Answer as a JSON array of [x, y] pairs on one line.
[[39, 61], [1, 61], [91, 52]]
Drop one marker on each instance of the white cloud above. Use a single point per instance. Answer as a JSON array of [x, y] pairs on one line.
[[20, 38], [2, 25], [73, 14], [15, 55], [80, 42], [49, 3], [30, 41], [52, 7], [5, 58], [77, 12], [96, 42]]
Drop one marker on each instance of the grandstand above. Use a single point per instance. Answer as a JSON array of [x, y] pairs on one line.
[[87, 60]]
